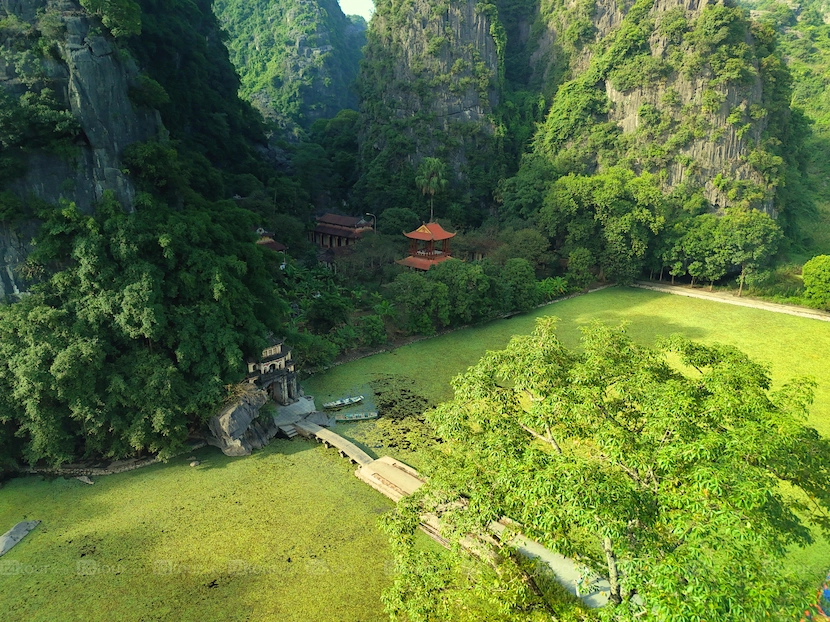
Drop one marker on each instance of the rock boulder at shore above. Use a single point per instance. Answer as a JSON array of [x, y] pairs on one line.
[[236, 430]]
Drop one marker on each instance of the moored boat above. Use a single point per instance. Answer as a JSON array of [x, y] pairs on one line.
[[343, 401], [346, 417]]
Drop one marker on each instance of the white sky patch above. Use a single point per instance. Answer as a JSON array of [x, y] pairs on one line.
[[358, 7]]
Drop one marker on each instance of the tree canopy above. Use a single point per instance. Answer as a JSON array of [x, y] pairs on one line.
[[816, 274], [675, 471], [431, 179], [139, 322]]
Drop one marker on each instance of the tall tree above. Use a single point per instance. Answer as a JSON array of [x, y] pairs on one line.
[[431, 179], [752, 239], [660, 468]]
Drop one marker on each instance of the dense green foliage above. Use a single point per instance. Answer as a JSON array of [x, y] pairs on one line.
[[297, 59], [706, 247], [182, 49], [802, 36], [665, 478], [121, 17], [141, 320], [614, 216], [816, 273], [456, 293]]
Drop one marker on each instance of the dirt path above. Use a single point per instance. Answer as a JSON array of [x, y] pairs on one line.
[[731, 299]]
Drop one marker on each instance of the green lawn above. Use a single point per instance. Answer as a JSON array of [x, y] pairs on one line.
[[171, 542], [790, 345]]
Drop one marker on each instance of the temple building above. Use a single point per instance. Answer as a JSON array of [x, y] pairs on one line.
[[334, 231], [274, 373], [424, 248]]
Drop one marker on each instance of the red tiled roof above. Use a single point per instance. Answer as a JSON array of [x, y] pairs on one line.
[[270, 243], [342, 221], [421, 263], [343, 233], [430, 231]]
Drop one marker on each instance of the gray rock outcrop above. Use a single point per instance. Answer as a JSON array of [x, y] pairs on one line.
[[89, 77], [237, 430]]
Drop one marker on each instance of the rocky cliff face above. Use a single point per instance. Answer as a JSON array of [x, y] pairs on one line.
[[428, 86], [90, 78], [54, 59], [297, 58], [687, 83]]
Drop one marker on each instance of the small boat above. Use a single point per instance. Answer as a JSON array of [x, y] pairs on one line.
[[346, 417], [343, 401]]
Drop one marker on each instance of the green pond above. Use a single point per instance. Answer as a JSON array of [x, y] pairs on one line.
[[289, 533]]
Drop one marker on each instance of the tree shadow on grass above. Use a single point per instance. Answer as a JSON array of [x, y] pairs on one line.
[[211, 458], [647, 328], [172, 543]]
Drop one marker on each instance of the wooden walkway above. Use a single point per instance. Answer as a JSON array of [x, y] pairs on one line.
[[390, 477], [346, 448]]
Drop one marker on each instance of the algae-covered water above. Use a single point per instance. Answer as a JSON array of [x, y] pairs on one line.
[[290, 534]]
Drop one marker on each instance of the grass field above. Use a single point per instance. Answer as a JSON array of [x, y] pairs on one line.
[[791, 346], [171, 542]]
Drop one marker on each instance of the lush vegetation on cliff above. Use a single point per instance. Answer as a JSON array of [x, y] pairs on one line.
[[137, 321], [297, 60]]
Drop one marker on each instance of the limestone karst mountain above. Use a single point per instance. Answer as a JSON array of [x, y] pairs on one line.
[[691, 91], [297, 58], [75, 98]]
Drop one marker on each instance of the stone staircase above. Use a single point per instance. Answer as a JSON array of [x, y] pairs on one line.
[[289, 430]]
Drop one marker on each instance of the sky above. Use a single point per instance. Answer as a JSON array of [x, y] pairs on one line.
[[358, 7]]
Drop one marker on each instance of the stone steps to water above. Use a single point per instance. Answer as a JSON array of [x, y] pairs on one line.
[[289, 430]]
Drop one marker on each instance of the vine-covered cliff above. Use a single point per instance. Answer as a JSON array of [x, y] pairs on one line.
[[80, 82], [297, 58], [65, 118], [428, 88], [693, 92]]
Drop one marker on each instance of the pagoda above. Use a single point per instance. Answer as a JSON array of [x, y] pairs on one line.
[[423, 250]]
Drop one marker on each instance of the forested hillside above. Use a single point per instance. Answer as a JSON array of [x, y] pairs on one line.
[[121, 136], [804, 41], [428, 88], [297, 58]]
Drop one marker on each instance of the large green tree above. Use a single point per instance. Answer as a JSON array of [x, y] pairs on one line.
[[816, 274], [615, 215], [751, 239], [675, 471]]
